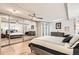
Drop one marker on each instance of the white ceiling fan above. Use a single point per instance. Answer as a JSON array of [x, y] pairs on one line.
[[34, 15]]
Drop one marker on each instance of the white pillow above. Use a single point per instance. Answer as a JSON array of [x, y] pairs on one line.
[[73, 40], [75, 44]]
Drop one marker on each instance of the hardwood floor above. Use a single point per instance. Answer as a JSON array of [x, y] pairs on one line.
[[5, 41], [17, 49]]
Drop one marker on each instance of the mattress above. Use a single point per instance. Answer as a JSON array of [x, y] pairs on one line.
[[49, 42], [51, 39], [17, 33]]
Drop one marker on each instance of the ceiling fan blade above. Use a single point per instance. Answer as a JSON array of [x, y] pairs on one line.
[[34, 15], [39, 17]]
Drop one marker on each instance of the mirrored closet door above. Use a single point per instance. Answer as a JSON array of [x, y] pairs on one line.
[[4, 28], [16, 30], [11, 30], [29, 30]]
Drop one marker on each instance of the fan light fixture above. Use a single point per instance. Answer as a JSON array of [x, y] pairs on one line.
[[36, 19]]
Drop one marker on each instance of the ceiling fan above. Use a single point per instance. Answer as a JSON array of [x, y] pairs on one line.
[[34, 15]]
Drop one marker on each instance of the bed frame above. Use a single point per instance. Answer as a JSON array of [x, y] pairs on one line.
[[14, 36], [41, 50]]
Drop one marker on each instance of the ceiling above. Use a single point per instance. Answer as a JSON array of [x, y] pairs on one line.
[[48, 11], [73, 9]]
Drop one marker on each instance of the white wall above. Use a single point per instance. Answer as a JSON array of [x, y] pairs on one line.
[[73, 10], [67, 26]]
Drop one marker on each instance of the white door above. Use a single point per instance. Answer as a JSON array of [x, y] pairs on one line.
[[46, 29]]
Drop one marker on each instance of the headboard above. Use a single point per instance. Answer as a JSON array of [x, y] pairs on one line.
[[60, 34]]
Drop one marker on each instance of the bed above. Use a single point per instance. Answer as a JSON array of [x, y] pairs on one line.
[[49, 45], [13, 34]]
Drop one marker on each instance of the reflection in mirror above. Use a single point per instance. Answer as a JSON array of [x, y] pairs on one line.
[[29, 29], [4, 28], [16, 30]]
